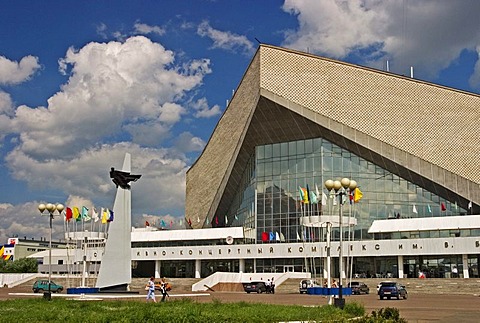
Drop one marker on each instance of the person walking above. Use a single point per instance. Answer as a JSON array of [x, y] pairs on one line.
[[151, 289], [164, 289], [272, 286]]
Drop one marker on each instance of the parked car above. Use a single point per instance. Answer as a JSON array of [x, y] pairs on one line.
[[392, 289], [304, 284], [256, 287], [359, 288], [380, 284], [41, 286]]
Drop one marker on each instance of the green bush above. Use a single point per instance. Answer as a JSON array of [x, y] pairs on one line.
[[22, 265], [383, 315], [354, 309]]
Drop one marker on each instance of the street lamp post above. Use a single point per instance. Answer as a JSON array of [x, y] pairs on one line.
[[51, 208], [341, 188]]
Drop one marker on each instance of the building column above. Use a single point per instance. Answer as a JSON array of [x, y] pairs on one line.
[[400, 266], [198, 268], [241, 265], [158, 267], [465, 266]]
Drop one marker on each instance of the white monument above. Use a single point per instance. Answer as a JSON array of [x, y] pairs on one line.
[[116, 270]]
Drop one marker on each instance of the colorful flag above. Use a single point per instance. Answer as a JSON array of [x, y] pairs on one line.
[[105, 215], [271, 236], [300, 190], [216, 220], [307, 195], [357, 195], [264, 236], [162, 223], [443, 207], [147, 224], [171, 223], [110, 218], [208, 221], [414, 209], [85, 215], [180, 222], [68, 214], [313, 197], [429, 208], [76, 214], [189, 222]]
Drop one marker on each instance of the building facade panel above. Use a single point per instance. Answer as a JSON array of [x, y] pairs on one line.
[[203, 191], [414, 116]]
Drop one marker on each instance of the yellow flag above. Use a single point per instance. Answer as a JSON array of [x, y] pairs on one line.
[[76, 213], [357, 195], [105, 216]]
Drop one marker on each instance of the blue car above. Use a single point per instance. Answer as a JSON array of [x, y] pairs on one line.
[[392, 289]]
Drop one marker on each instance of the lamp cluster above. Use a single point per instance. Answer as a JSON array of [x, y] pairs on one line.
[[337, 185], [51, 208]]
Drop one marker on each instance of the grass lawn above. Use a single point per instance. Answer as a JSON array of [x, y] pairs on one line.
[[63, 310]]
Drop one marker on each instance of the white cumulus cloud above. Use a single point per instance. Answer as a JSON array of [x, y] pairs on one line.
[[12, 72], [426, 34], [120, 97]]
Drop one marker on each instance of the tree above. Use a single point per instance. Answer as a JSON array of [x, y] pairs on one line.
[[22, 265]]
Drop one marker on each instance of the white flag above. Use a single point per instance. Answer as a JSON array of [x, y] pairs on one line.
[[95, 214], [415, 209], [324, 198], [277, 236], [470, 204], [298, 236]]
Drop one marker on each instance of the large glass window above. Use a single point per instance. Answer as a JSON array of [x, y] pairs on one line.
[[284, 169]]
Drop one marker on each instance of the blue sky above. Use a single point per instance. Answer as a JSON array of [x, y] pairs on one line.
[[83, 82]]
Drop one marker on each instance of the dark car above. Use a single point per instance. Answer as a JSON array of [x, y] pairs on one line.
[[392, 289], [359, 288], [41, 286], [304, 284], [256, 287]]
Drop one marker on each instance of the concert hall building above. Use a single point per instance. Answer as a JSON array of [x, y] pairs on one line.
[[297, 120]]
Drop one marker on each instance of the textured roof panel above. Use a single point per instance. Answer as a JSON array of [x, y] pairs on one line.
[[431, 122]]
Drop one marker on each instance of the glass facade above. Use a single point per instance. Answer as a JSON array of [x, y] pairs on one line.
[[267, 205], [270, 192]]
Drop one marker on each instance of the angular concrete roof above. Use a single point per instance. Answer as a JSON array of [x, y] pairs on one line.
[[420, 131]]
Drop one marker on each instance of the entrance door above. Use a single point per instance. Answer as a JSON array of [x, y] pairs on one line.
[[288, 269]]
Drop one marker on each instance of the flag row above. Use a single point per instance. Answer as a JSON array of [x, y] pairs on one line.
[[106, 215], [308, 196]]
